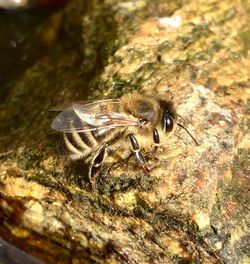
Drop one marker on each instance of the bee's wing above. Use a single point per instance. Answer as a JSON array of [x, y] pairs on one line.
[[62, 107], [93, 116]]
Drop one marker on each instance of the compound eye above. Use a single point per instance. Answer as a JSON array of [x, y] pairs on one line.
[[167, 122]]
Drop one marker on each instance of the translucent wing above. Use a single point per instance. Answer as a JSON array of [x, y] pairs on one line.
[[95, 116], [62, 107]]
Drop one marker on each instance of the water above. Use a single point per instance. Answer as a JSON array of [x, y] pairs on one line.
[[23, 41]]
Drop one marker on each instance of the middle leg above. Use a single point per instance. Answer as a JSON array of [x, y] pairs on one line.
[[138, 154]]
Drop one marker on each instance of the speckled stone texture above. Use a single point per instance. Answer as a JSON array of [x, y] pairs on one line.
[[193, 207]]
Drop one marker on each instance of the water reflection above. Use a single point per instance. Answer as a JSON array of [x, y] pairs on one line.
[[13, 4], [26, 35]]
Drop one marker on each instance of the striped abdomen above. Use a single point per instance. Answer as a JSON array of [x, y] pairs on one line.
[[84, 144]]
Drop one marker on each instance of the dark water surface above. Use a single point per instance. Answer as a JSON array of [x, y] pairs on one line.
[[25, 36], [12, 255]]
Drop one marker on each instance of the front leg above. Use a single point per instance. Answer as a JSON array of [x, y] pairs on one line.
[[156, 139], [96, 164], [138, 154]]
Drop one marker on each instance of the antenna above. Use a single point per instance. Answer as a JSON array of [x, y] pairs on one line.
[[196, 142]]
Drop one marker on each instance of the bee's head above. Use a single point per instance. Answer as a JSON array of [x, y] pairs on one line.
[[167, 121], [168, 116]]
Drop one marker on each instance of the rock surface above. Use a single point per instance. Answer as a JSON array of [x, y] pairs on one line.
[[194, 205]]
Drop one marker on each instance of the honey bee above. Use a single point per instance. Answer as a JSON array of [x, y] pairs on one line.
[[92, 131]]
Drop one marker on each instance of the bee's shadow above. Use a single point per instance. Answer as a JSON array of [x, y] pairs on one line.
[[76, 172], [135, 180]]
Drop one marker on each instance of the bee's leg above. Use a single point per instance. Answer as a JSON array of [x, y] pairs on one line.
[[96, 164], [138, 154], [156, 139]]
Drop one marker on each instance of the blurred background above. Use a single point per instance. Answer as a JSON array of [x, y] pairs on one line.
[[28, 29]]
